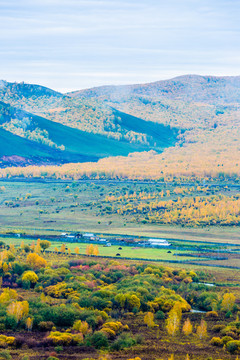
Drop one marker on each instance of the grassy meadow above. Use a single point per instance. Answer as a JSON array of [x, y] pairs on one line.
[[52, 208]]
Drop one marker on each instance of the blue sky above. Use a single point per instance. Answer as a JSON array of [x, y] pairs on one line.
[[75, 44]]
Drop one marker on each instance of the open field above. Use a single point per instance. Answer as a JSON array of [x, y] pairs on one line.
[[126, 251], [71, 207]]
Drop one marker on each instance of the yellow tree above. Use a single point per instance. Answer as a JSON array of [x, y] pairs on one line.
[[43, 297], [32, 246], [202, 330], [35, 261], [38, 247], [63, 248], [69, 251], [174, 319], [12, 248], [187, 327], [29, 323], [5, 267], [22, 245], [90, 249], [149, 319], [77, 250], [228, 302], [8, 295], [18, 309], [95, 251]]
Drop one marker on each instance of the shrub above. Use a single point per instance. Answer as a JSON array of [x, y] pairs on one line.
[[159, 315], [218, 328], [233, 346], [109, 332], [228, 314], [65, 338], [6, 340], [30, 276], [5, 354], [123, 341], [212, 314], [10, 322], [216, 341], [81, 326], [99, 340], [226, 339], [46, 325]]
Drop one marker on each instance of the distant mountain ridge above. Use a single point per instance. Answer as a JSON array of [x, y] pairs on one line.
[[181, 117], [196, 88]]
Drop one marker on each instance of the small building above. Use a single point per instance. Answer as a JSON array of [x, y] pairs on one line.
[[88, 235], [158, 242]]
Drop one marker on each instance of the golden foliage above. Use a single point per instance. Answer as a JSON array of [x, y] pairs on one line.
[[35, 261]]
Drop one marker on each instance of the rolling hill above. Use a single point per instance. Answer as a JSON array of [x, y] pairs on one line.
[[191, 122], [38, 140], [191, 88]]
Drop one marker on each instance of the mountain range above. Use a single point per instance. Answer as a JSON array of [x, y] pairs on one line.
[[41, 126]]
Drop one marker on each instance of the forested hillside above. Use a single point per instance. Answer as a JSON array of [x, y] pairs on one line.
[[190, 125]]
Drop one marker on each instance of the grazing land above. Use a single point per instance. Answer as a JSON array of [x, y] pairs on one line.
[[120, 207]]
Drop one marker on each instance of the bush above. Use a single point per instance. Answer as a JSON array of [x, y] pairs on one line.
[[226, 339], [233, 346], [212, 314], [65, 338], [123, 341], [5, 354], [159, 315], [218, 328], [10, 322], [45, 325], [216, 341], [99, 340], [6, 340], [228, 315]]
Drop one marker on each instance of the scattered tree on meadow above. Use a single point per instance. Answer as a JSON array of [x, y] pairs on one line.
[[202, 330], [174, 319], [149, 320], [187, 327], [29, 323], [45, 244], [228, 302], [63, 248]]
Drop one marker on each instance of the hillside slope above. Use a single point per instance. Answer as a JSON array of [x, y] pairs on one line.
[[37, 137], [191, 88], [91, 116]]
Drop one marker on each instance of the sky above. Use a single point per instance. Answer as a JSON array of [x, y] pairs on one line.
[[74, 44]]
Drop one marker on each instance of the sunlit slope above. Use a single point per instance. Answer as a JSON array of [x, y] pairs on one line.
[[191, 88], [55, 142]]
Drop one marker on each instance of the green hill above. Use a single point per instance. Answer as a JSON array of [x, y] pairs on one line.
[[38, 139]]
